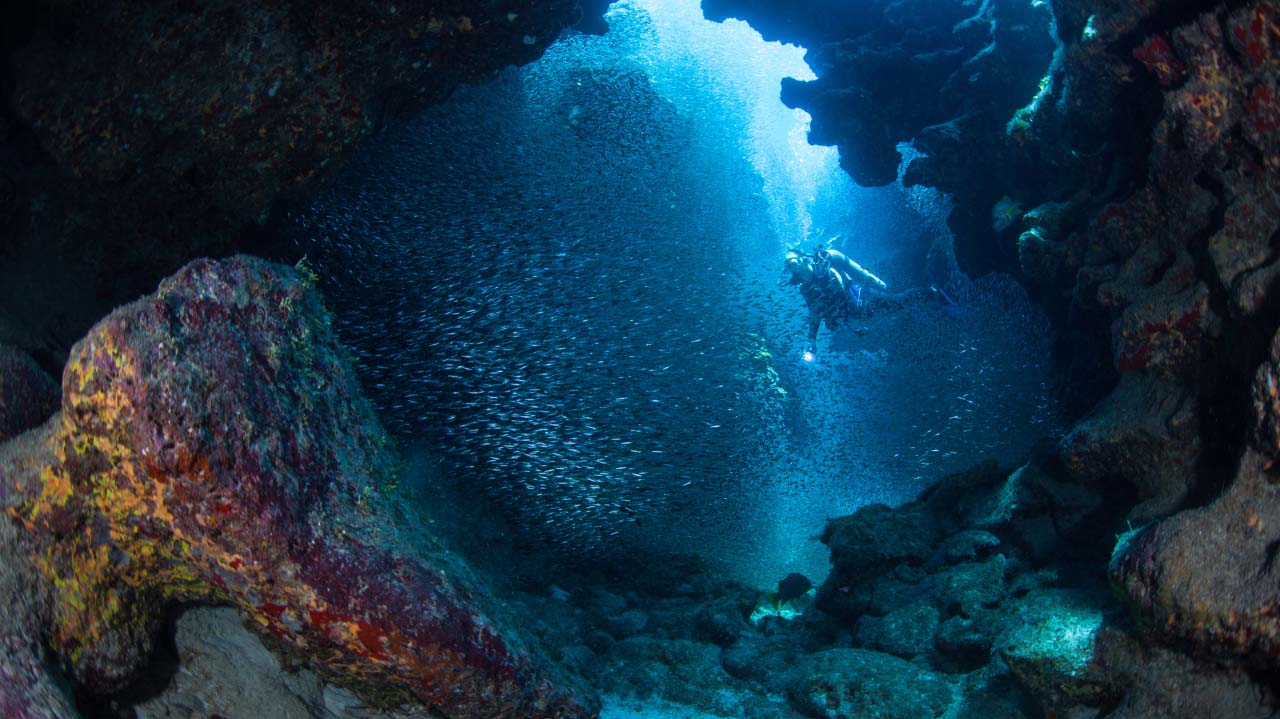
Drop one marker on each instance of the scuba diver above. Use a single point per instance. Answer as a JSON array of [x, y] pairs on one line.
[[836, 289]]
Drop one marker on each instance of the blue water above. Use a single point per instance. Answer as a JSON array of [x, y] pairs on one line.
[[563, 290]]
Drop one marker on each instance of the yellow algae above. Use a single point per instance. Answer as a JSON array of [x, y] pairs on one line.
[[78, 607], [89, 587], [309, 276], [87, 375]]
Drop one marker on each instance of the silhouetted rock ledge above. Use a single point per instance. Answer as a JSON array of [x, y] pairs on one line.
[[214, 447], [137, 137]]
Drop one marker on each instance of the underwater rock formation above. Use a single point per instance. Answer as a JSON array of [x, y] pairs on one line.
[[1154, 252], [1173, 572], [1147, 147], [1182, 268], [227, 671], [134, 139], [28, 396], [851, 683], [27, 688], [952, 77], [1144, 436], [1138, 191], [214, 446], [888, 71], [1008, 562]]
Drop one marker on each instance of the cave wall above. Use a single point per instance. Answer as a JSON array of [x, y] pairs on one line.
[[1141, 211], [947, 75], [135, 137]]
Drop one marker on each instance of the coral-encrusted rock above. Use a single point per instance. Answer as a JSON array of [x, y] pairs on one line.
[[1241, 250], [853, 683], [1166, 331], [1207, 577], [1266, 403], [28, 396], [1145, 434], [1207, 105], [139, 136], [214, 446], [27, 690], [226, 671], [878, 535], [247, 102], [1184, 264]]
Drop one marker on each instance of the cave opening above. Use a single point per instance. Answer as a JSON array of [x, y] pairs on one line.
[[1024, 467], [565, 291]]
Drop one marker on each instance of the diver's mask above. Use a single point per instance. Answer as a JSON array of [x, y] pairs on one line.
[[795, 266]]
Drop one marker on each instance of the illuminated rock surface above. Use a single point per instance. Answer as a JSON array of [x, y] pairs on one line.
[[227, 671]]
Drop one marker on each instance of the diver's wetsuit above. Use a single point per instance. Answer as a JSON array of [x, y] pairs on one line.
[[834, 304], [830, 303]]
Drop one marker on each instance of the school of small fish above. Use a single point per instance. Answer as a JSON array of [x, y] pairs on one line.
[[560, 288]]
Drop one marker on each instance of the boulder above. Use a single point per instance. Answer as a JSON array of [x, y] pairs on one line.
[[29, 688], [1044, 511], [28, 395], [963, 644], [877, 535], [1173, 573], [678, 670], [721, 621], [969, 545], [905, 632], [214, 446], [967, 589], [856, 683], [1146, 434], [1051, 642]]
